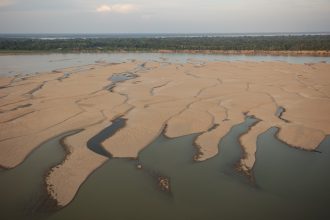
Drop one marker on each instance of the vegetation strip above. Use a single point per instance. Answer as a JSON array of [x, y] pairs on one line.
[[255, 43]]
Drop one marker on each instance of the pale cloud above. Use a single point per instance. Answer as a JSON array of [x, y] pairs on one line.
[[4, 3], [98, 16], [103, 8], [117, 8], [146, 16]]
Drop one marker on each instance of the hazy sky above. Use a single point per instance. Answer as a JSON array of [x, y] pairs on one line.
[[168, 16]]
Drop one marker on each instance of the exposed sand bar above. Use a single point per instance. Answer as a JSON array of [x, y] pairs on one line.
[[255, 52], [197, 97]]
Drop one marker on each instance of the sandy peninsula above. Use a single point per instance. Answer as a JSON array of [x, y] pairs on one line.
[[207, 98]]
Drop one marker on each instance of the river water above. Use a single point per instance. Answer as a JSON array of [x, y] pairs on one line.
[[33, 63], [22, 189], [289, 183]]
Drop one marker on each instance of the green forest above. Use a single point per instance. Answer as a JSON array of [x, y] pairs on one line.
[[267, 43]]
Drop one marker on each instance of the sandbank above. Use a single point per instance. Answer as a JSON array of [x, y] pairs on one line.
[[207, 98]]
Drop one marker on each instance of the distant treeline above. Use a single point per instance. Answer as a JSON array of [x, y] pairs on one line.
[[267, 43]]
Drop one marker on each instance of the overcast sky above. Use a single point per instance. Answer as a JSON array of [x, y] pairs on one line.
[[167, 16]]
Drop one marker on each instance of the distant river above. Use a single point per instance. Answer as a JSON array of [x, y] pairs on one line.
[[31, 63]]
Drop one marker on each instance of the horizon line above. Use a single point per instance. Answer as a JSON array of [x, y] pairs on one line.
[[124, 33]]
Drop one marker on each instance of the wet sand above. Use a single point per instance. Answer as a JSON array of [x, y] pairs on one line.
[[197, 97]]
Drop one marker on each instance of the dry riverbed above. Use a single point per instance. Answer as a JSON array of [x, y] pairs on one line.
[[177, 99]]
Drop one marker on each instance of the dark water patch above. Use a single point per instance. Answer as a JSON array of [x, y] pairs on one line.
[[22, 188], [119, 77], [95, 143], [279, 112], [301, 178]]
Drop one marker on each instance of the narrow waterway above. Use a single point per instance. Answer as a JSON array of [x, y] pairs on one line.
[[95, 143]]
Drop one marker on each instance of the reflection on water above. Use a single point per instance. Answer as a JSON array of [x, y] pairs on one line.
[[27, 64]]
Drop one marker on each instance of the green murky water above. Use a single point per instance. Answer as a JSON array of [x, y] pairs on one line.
[[300, 178], [290, 183], [22, 190]]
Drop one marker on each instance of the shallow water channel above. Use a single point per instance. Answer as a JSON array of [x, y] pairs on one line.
[[289, 183]]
